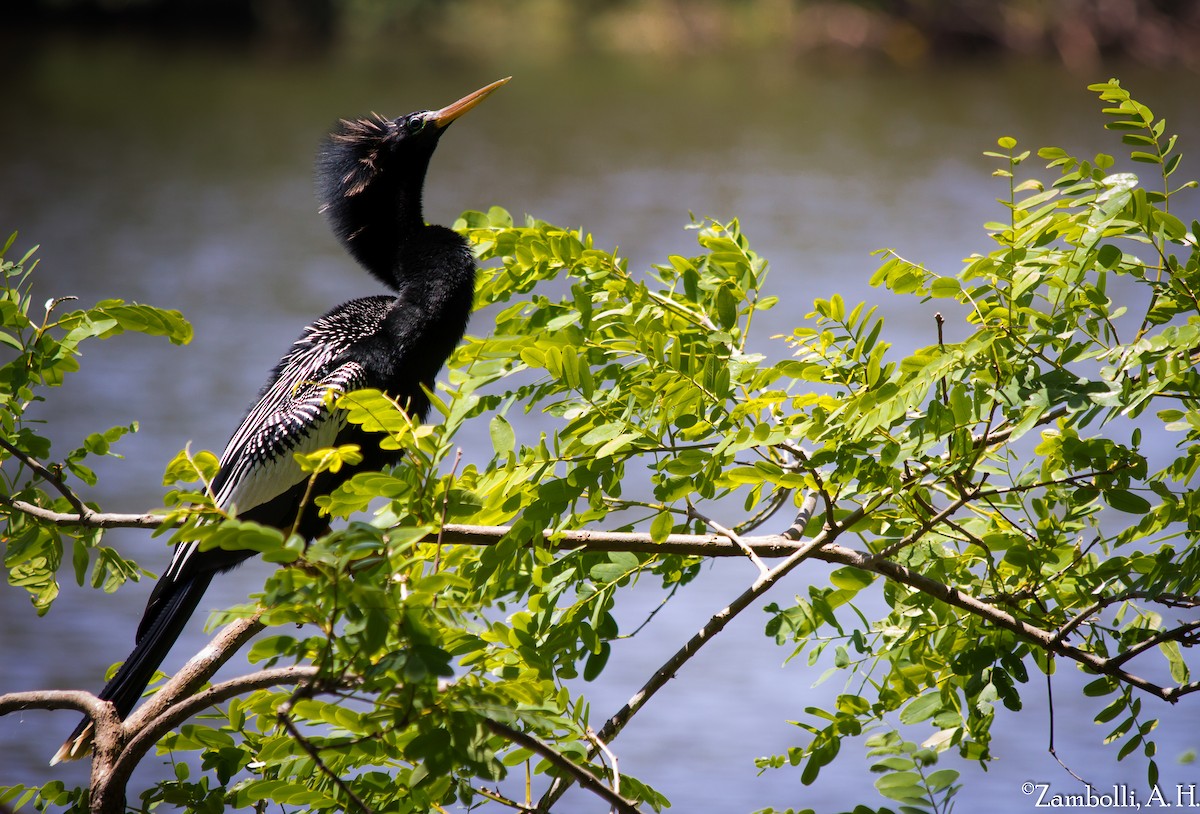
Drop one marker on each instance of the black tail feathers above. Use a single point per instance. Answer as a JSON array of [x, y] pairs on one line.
[[132, 678]]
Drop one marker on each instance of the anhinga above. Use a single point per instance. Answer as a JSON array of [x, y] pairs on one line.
[[369, 178]]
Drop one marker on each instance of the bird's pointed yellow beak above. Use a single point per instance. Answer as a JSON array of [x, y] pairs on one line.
[[452, 111]]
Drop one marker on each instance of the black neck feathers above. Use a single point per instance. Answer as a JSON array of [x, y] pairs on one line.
[[370, 174]]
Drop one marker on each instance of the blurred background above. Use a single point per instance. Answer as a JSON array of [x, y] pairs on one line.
[[161, 152]]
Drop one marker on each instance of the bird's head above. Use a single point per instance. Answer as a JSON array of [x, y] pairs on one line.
[[370, 173]]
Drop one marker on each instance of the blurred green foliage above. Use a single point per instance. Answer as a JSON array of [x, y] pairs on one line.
[[1080, 34]]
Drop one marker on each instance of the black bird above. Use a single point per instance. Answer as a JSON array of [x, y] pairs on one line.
[[369, 178]]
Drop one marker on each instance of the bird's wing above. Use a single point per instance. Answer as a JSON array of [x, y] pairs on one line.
[[259, 462]]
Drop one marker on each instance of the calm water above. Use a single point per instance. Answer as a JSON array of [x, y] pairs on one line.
[[181, 176]]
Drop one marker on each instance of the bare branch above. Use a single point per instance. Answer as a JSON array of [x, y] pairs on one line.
[[1050, 747], [96, 520], [79, 700], [50, 476], [1169, 600], [579, 774], [613, 726], [153, 729], [696, 545], [609, 755], [119, 746], [198, 670], [495, 796], [1172, 634]]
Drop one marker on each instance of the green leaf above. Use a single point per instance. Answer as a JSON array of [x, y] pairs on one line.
[[945, 287], [1125, 501], [851, 579], [144, 319], [904, 787], [504, 439], [594, 665], [661, 527], [922, 708]]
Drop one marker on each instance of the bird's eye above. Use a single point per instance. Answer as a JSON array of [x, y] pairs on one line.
[[414, 125]]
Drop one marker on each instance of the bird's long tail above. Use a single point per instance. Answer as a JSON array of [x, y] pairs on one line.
[[130, 681]]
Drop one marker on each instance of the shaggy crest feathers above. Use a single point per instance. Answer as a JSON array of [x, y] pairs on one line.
[[363, 139], [369, 174]]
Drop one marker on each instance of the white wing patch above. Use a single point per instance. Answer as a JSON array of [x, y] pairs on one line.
[[259, 463], [256, 478]]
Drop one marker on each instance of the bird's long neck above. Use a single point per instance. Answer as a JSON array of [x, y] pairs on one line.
[[386, 227], [380, 220]]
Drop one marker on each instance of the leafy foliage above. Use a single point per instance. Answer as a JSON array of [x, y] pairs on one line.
[[1009, 491], [42, 351]]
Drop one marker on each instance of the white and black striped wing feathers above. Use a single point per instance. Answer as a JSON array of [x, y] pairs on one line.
[[290, 416], [293, 416]]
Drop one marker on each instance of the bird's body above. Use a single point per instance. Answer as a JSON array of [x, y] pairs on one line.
[[370, 175]]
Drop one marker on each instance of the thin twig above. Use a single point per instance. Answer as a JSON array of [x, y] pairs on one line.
[[1050, 705], [285, 718], [578, 773], [437, 554], [496, 797], [802, 456], [1170, 600], [695, 514], [929, 524], [941, 322], [591, 735], [1175, 633]]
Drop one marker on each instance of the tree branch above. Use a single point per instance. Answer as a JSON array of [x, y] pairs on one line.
[[284, 716], [91, 519], [198, 670], [106, 724], [1049, 641], [613, 726], [578, 773], [50, 476], [119, 746], [79, 700], [723, 544], [771, 546], [775, 546], [154, 728], [696, 514], [1175, 633]]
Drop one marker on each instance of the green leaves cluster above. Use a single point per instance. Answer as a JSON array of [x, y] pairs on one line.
[[41, 347], [1080, 333], [1018, 491]]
